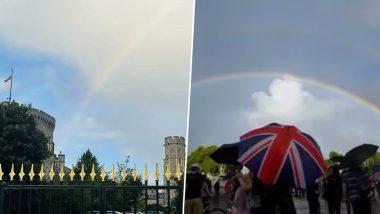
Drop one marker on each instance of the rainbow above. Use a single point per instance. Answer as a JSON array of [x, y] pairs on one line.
[[110, 68], [277, 74]]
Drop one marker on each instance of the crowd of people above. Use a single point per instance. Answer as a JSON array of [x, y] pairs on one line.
[[199, 191], [350, 187]]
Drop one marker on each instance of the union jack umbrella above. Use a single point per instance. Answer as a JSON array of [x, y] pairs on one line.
[[282, 155]]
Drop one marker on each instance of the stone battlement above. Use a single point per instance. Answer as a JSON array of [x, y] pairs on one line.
[[44, 118], [175, 139]]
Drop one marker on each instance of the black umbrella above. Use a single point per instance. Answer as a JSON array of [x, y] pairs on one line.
[[227, 154], [359, 154]]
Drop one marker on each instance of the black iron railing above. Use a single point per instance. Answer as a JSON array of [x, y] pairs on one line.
[[23, 195]]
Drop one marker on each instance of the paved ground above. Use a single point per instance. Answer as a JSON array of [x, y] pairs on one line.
[[301, 205], [303, 208]]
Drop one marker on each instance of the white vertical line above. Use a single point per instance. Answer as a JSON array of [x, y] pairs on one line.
[[188, 110]]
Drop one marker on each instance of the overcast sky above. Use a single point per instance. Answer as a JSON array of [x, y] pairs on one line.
[[114, 74], [331, 45]]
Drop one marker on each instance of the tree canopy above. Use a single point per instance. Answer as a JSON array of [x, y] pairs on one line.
[[201, 156], [87, 159], [20, 139], [373, 161]]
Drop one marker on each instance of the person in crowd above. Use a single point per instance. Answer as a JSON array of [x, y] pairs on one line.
[[205, 192], [194, 182], [283, 201], [302, 193], [357, 189], [242, 198], [267, 199], [332, 190], [216, 189], [312, 195]]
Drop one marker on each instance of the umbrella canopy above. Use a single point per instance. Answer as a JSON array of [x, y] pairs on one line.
[[227, 154], [282, 155], [359, 154]]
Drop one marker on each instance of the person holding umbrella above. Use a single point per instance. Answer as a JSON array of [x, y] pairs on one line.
[[357, 189], [281, 157]]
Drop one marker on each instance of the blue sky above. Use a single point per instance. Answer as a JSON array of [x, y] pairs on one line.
[[115, 75], [333, 42]]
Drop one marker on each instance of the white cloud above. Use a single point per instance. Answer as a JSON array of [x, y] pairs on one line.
[[124, 43], [288, 102], [336, 122]]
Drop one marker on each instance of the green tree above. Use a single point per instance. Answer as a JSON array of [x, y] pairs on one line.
[[87, 159], [201, 156], [332, 154], [126, 199], [373, 161], [20, 139]]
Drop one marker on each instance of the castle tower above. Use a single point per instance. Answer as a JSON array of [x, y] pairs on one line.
[[174, 154], [46, 124]]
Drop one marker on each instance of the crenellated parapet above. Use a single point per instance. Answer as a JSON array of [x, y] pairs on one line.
[[44, 119], [175, 140]]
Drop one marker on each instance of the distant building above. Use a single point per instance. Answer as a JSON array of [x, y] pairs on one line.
[[152, 197], [175, 154], [46, 124]]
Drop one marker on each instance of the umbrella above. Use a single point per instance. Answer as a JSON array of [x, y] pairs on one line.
[[282, 155], [227, 154], [359, 154]]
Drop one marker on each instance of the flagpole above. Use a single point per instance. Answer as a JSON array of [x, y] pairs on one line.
[[10, 90]]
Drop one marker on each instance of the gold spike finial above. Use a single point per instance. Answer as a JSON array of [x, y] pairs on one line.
[[31, 173], [92, 174], [178, 173], [61, 173], [12, 173], [21, 174], [42, 173], [72, 173], [113, 172], [82, 173], [167, 173], [156, 173], [134, 173], [1, 173], [146, 174], [51, 173], [123, 175], [103, 173]]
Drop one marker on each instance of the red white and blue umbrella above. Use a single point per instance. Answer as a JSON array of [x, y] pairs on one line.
[[282, 155]]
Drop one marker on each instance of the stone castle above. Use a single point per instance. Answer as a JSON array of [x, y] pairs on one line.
[[175, 154], [175, 149], [46, 124]]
